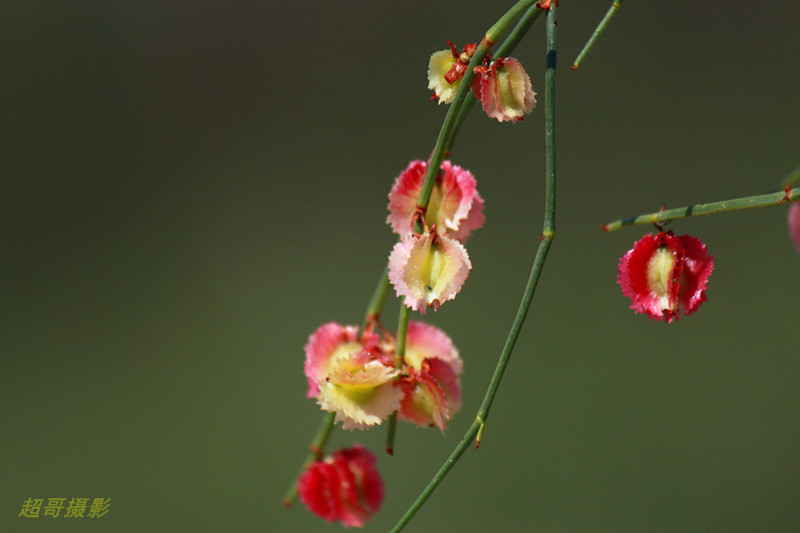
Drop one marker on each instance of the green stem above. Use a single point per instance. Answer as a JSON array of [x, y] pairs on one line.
[[463, 111], [494, 33], [747, 202], [519, 31], [400, 352], [378, 298], [597, 33], [548, 232], [317, 451], [402, 329]]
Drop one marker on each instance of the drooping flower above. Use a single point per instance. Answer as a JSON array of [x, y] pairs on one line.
[[431, 386], [793, 219], [504, 89], [346, 487], [445, 70], [455, 206], [428, 269], [666, 275], [350, 376]]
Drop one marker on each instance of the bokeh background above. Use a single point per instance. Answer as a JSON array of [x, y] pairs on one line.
[[189, 189]]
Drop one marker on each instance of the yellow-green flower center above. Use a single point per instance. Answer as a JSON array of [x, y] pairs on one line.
[[659, 274], [357, 393], [432, 266]]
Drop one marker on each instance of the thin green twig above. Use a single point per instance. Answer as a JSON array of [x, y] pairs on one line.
[[597, 33], [746, 202], [519, 31], [400, 352], [375, 306], [317, 451], [548, 233]]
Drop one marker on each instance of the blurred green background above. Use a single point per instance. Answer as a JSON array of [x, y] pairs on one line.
[[189, 189]]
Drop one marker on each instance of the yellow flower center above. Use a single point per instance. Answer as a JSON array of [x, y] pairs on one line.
[[433, 264], [659, 274]]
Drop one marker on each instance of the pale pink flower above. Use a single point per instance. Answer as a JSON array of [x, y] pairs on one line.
[[346, 487], [504, 89], [351, 377], [665, 275], [428, 269], [455, 206]]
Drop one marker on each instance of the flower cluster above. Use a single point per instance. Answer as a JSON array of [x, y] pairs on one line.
[[363, 378], [357, 377], [666, 275], [360, 378], [502, 86], [429, 268]]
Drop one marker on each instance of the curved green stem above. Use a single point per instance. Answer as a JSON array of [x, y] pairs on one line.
[[597, 33], [317, 451], [477, 427], [746, 202]]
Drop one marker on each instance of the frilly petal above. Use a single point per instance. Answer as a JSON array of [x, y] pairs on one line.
[[505, 91], [636, 279], [665, 275], [359, 407], [425, 341], [475, 219], [428, 269], [452, 198], [324, 346], [432, 395], [345, 487], [698, 266], [439, 64], [403, 197], [455, 206], [363, 376]]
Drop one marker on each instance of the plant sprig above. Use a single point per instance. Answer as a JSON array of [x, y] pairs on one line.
[[548, 232], [711, 208]]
